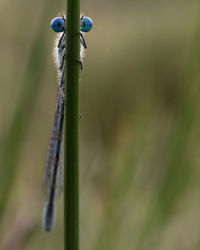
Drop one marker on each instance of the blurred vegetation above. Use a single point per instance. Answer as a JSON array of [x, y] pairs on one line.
[[140, 135]]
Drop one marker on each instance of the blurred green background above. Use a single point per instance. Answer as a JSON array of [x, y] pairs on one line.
[[140, 135]]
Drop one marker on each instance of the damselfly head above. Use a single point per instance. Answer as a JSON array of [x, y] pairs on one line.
[[85, 24], [58, 24]]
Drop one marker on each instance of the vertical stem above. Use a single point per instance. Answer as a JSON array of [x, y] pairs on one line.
[[71, 131]]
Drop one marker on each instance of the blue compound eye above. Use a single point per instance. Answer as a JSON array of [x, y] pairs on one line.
[[57, 24], [86, 24]]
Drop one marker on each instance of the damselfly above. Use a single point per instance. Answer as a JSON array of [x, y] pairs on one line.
[[53, 177]]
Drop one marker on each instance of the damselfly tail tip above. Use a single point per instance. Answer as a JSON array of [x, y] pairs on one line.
[[49, 217]]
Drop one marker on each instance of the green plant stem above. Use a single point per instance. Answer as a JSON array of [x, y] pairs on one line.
[[71, 131]]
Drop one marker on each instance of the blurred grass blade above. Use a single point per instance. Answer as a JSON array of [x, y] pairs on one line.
[[14, 140], [179, 170]]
